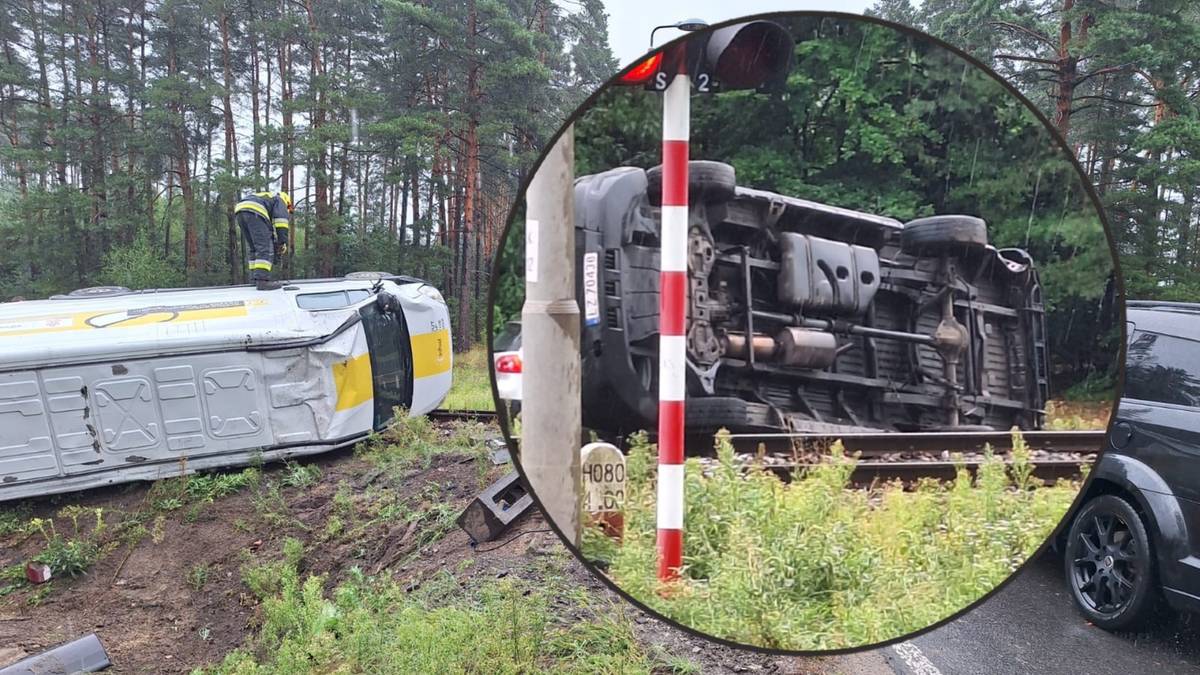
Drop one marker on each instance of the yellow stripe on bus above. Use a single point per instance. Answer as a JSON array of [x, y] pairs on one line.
[[97, 320], [431, 353], [352, 380]]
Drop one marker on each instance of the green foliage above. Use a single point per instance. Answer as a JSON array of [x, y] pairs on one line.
[[472, 388], [301, 475], [138, 266], [71, 554], [509, 290], [266, 579], [1132, 117], [14, 520], [207, 487], [374, 625], [197, 576], [416, 441], [814, 564]]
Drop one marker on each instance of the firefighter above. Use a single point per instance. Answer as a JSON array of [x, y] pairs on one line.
[[264, 218]]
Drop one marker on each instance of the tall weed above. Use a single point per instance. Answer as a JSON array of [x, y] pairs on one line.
[[814, 563]]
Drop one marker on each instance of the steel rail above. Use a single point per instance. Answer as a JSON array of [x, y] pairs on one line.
[[885, 443], [872, 471], [462, 415]]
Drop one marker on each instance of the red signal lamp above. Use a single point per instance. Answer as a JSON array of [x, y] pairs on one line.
[[643, 71]]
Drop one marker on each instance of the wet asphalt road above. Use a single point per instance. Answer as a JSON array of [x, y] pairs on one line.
[[1031, 627]]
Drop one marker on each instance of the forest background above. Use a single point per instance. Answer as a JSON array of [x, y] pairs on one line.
[[886, 121], [1119, 79], [128, 128]]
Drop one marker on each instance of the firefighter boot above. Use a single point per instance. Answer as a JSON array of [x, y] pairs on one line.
[[267, 285]]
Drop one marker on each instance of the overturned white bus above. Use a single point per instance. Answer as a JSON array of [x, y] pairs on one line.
[[107, 385]]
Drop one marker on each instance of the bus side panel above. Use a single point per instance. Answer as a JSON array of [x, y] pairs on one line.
[[26, 449], [121, 413], [322, 392]]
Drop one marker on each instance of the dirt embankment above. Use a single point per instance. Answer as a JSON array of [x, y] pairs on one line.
[[176, 599]]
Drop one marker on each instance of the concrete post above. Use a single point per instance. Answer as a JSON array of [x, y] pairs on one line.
[[550, 409]]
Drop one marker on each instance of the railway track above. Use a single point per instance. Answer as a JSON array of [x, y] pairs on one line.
[[911, 456], [462, 415], [884, 456], [870, 444]]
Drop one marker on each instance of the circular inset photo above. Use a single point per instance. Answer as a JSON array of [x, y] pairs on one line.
[[806, 331]]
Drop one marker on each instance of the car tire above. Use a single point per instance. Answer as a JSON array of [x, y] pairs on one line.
[[943, 233], [98, 292], [707, 182], [710, 414], [1109, 565]]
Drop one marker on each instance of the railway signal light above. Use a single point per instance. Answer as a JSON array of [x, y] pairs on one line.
[[751, 55], [643, 72]]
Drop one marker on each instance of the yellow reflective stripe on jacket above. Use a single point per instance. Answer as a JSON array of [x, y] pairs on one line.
[[282, 222], [251, 206], [264, 195]]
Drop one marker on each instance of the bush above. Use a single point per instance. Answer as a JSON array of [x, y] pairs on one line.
[[140, 266]]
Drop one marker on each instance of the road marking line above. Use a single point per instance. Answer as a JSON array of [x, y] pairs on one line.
[[915, 659]]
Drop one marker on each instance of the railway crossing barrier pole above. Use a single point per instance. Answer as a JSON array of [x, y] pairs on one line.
[[550, 412], [752, 55], [672, 346]]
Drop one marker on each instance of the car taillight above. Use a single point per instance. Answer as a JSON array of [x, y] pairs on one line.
[[509, 363]]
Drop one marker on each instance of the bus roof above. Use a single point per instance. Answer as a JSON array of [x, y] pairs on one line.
[[68, 329]]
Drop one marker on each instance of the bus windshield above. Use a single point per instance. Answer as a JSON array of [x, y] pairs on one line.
[[391, 360]]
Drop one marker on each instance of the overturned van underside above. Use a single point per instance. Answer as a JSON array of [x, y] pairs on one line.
[[98, 390], [807, 317]]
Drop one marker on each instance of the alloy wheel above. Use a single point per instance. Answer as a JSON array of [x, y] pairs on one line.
[[1107, 566]]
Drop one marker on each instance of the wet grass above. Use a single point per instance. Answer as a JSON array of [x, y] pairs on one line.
[[1064, 415], [472, 387], [415, 442], [815, 564], [374, 624]]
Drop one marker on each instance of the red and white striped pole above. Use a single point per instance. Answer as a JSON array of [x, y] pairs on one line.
[[672, 349]]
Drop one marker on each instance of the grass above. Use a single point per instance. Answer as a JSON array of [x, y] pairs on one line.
[[812, 564], [1078, 415], [372, 624], [197, 576], [414, 442], [472, 388]]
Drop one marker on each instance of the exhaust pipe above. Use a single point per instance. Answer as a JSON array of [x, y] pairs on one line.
[[792, 346]]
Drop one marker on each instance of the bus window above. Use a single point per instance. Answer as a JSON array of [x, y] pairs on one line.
[[331, 300], [391, 360]]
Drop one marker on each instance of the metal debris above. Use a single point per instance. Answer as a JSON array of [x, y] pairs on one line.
[[85, 655], [496, 509]]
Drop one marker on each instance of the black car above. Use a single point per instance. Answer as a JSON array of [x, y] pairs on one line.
[[805, 316], [1134, 543]]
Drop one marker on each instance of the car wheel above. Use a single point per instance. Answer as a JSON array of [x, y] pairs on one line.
[[97, 292], [708, 414], [943, 233], [1110, 567], [707, 182]]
